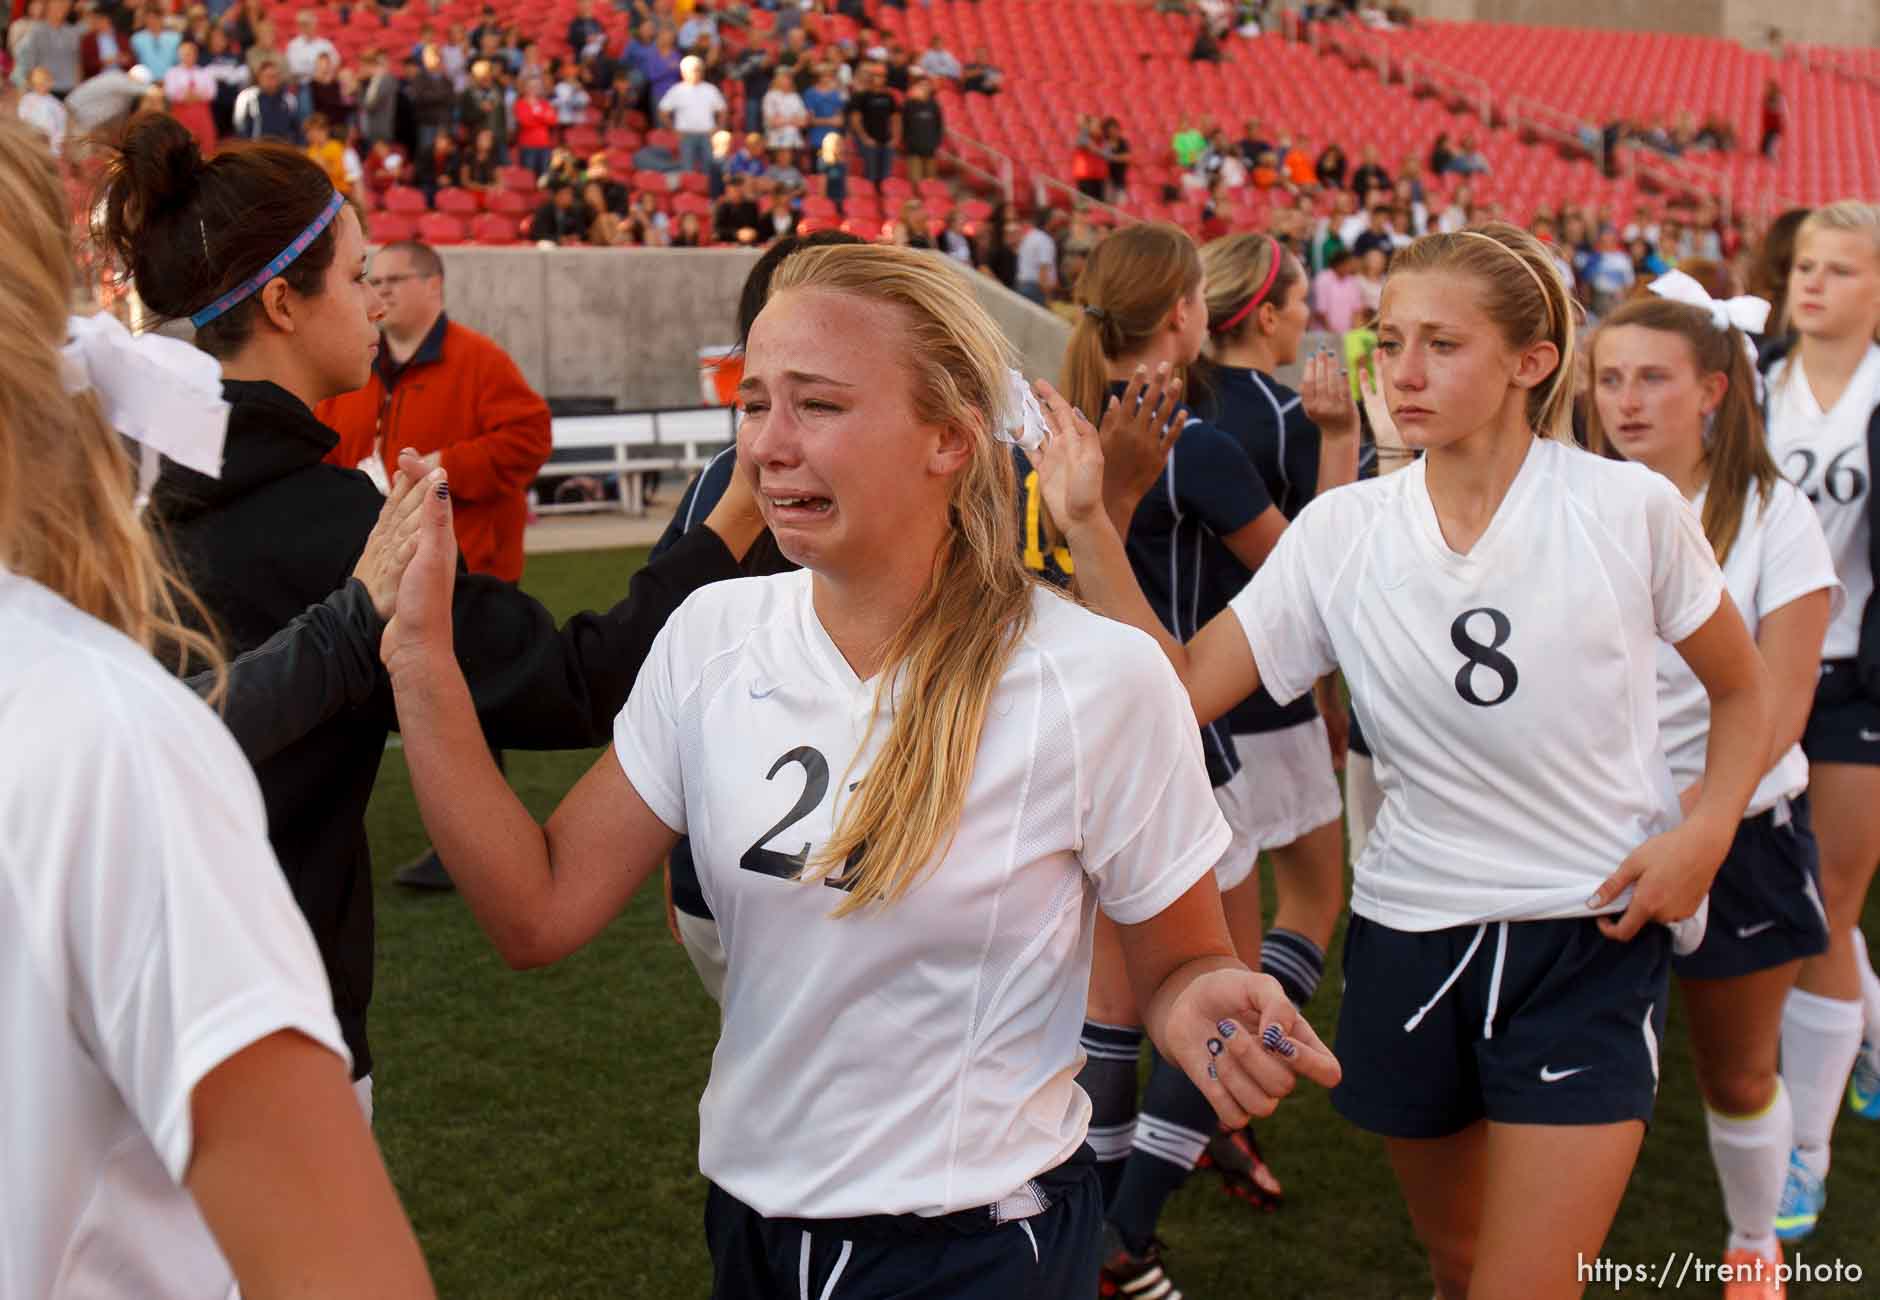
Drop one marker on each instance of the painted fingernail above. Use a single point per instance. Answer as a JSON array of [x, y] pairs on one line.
[[1276, 1041], [1228, 1028], [1212, 1072], [1216, 1047], [443, 491]]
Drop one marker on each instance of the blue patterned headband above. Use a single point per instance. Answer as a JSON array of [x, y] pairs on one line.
[[282, 260]]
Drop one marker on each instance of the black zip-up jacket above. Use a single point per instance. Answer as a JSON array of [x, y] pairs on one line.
[[326, 660], [280, 531]]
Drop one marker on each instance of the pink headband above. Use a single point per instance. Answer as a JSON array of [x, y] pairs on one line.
[[1272, 274]]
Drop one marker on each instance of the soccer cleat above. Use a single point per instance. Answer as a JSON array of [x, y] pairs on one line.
[[1234, 1154], [1129, 1276], [1752, 1276], [1803, 1195], [1863, 1086]]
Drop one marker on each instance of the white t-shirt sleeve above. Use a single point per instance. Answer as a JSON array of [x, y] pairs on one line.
[[646, 732], [1279, 611], [1796, 559], [182, 940], [1686, 583], [1150, 824]]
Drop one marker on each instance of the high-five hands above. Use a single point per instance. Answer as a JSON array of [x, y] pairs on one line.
[[396, 536], [421, 620]]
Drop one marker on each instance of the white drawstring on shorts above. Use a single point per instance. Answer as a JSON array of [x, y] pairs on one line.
[[1494, 979]]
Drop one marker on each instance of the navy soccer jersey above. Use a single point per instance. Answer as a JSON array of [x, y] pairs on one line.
[[1270, 423], [1208, 489]]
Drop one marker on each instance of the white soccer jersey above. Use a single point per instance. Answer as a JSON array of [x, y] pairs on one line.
[[149, 936], [1824, 453], [918, 1057], [1778, 557], [1510, 694]]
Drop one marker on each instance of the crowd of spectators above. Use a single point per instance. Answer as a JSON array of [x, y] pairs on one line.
[[775, 105]]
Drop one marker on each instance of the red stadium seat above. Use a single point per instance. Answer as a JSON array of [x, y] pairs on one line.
[[440, 228], [405, 199], [391, 228], [517, 178], [651, 182], [460, 203], [495, 228], [509, 203], [695, 183], [684, 203]]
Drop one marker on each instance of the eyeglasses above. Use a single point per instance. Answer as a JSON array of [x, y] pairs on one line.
[[383, 282]]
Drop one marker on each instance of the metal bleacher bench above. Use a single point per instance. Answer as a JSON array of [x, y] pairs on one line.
[[629, 445]]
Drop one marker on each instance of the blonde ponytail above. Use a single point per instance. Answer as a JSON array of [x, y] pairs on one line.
[[66, 519]]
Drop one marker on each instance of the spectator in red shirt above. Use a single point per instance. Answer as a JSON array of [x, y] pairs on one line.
[[535, 126]]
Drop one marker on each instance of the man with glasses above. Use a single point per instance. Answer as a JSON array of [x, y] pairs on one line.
[[455, 398]]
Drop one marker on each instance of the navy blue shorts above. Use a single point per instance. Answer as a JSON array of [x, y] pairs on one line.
[[1519, 1022], [1054, 1252], [1844, 724], [1765, 907]]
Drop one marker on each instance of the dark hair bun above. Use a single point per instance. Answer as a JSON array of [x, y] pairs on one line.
[[158, 171]]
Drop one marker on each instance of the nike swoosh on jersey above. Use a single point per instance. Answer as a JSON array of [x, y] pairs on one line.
[[1751, 931], [766, 693], [1555, 1076]]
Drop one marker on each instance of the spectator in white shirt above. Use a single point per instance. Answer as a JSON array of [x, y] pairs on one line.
[[305, 49], [938, 61], [694, 108], [1036, 255], [570, 99], [785, 114], [39, 109]]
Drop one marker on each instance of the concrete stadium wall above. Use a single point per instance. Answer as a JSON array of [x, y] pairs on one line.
[[1831, 22], [627, 326]]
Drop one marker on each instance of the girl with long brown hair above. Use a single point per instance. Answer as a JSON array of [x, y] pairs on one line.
[[910, 774], [1823, 413], [280, 298], [179, 1081], [1207, 521], [1674, 389], [1495, 609]]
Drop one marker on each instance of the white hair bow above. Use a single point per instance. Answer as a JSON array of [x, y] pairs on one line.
[[159, 392], [1746, 312], [1024, 418]]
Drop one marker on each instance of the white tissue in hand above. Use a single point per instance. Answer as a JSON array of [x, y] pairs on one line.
[[1024, 418]]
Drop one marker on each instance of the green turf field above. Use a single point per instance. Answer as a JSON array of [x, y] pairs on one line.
[[543, 1128]]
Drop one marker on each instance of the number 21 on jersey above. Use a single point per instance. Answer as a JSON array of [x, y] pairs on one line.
[[767, 861]]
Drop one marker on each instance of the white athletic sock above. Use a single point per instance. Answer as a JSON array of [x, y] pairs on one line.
[[1820, 1038], [1751, 1153], [1869, 988]]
